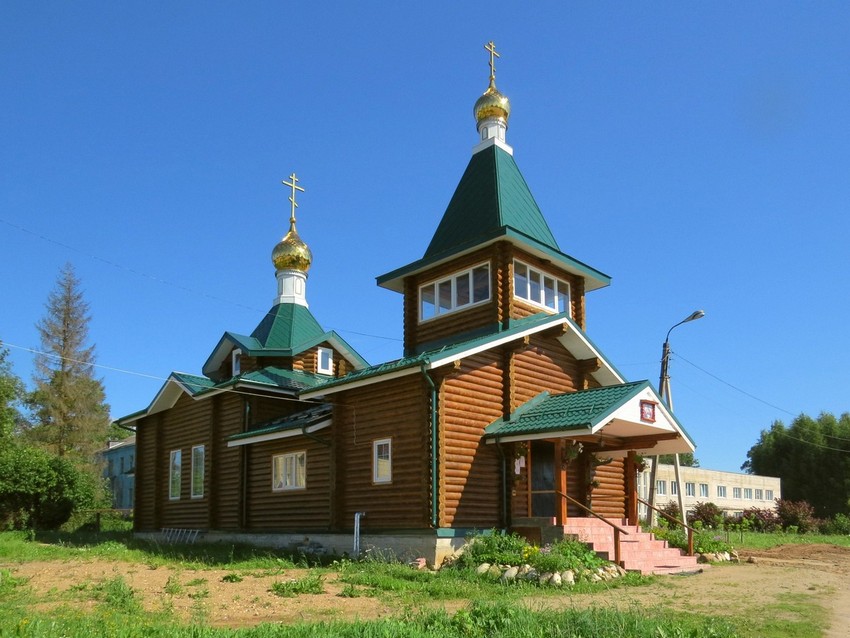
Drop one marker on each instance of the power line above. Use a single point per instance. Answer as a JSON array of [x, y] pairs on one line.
[[734, 387]]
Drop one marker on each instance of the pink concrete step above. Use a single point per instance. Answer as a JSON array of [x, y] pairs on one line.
[[639, 551]]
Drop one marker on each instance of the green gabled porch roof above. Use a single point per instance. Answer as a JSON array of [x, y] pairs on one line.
[[491, 202], [587, 412], [308, 420]]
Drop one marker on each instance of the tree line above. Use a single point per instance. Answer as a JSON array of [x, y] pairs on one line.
[[50, 435]]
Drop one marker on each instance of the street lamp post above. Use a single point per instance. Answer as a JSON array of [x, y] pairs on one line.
[[664, 389]]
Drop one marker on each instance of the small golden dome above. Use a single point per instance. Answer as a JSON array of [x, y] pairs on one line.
[[492, 104], [291, 253]]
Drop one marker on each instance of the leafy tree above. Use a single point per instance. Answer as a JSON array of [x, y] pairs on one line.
[[685, 460], [70, 415], [811, 456], [39, 490], [11, 396]]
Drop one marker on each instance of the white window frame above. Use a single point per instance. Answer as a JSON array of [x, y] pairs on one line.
[[661, 487], [703, 490], [286, 475], [690, 489], [721, 491], [759, 494], [450, 283], [382, 468], [736, 492], [198, 471], [674, 488], [236, 362], [539, 296], [748, 493], [321, 354], [768, 495], [175, 479]]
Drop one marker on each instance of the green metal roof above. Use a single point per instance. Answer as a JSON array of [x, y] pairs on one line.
[[571, 411], [286, 326], [492, 194], [193, 383], [492, 201], [498, 332], [298, 421]]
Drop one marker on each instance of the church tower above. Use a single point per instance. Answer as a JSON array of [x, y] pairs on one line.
[[493, 259]]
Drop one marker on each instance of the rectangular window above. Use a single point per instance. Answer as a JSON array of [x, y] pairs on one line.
[[540, 289], [736, 492], [690, 489], [325, 361], [748, 493], [174, 475], [721, 491], [454, 293], [382, 461], [289, 471], [674, 488], [768, 495], [198, 458], [759, 495], [661, 488], [703, 490], [236, 362]]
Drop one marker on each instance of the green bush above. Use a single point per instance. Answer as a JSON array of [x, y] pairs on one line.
[[798, 516], [498, 548], [708, 515], [840, 524], [40, 491]]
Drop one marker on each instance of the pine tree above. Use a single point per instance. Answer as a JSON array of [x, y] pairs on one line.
[[70, 416]]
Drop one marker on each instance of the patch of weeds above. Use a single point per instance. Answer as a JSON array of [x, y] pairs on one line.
[[310, 584], [173, 586], [195, 582], [118, 595], [200, 594], [349, 591], [232, 578]]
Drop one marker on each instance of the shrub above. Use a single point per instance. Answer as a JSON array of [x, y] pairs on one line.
[[796, 516], [40, 491], [672, 510], [708, 515], [495, 547], [761, 520], [840, 524]]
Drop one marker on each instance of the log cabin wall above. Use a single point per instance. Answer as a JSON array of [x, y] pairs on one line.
[[608, 493], [187, 424], [542, 364], [225, 463], [398, 409], [294, 510], [145, 506], [470, 469]]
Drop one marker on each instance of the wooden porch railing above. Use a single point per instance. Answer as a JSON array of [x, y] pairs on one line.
[[673, 519], [617, 529]]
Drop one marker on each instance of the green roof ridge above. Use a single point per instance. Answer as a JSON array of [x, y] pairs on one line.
[[286, 326], [492, 194]]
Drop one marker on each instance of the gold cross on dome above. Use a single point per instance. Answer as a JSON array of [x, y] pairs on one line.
[[294, 186], [491, 47]]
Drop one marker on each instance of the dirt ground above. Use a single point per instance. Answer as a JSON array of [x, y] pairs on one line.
[[758, 584]]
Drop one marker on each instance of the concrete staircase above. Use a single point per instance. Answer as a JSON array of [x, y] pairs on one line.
[[639, 551]]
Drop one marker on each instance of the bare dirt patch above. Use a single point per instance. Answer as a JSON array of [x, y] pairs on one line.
[[817, 573]]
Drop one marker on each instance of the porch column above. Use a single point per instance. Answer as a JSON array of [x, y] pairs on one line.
[[560, 484], [631, 488]]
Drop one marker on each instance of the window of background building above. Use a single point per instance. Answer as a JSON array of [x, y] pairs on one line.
[[703, 490], [690, 489], [721, 491], [736, 492]]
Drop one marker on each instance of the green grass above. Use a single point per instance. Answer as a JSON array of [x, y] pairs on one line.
[[762, 540], [310, 584]]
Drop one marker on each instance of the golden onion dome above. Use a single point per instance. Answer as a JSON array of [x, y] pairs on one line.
[[291, 253], [492, 104]]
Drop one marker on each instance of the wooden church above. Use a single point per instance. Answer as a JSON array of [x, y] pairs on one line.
[[502, 413]]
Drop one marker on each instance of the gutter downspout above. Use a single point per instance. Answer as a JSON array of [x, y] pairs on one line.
[[434, 441]]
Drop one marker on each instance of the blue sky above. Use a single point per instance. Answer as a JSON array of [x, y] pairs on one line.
[[699, 153]]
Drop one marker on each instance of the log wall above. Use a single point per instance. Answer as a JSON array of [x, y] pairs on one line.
[[225, 464], [543, 364], [147, 490], [399, 410], [470, 470], [608, 498]]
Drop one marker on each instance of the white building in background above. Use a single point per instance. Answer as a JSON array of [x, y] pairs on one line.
[[732, 492]]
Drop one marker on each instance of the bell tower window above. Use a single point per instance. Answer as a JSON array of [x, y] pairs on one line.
[[540, 289], [457, 292]]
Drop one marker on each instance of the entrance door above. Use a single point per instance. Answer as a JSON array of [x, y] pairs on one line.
[[542, 478]]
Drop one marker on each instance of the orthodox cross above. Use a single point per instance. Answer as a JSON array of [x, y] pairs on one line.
[[493, 55], [294, 186]]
